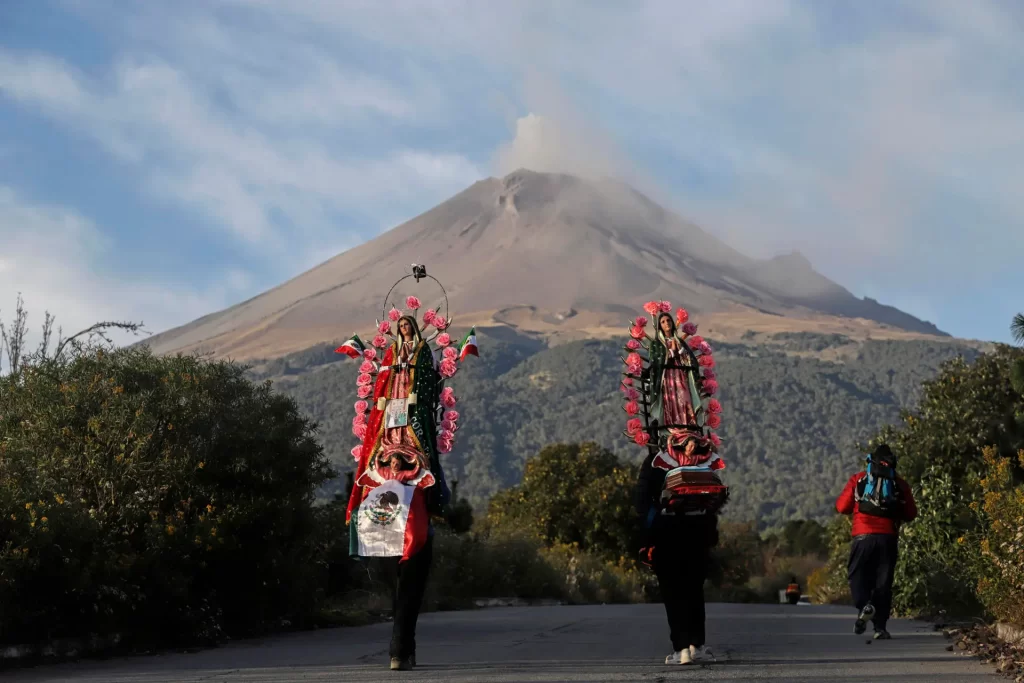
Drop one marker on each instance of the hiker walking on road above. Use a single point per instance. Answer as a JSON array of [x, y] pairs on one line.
[[880, 502]]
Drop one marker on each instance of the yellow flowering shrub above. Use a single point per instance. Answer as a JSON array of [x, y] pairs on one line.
[[1001, 586]]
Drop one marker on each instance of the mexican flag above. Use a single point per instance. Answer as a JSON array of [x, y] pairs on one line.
[[391, 521], [353, 348], [468, 347]]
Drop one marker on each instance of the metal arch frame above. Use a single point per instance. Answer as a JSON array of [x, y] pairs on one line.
[[444, 293]]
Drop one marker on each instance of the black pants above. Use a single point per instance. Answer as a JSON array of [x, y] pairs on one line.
[[681, 570], [871, 570], [407, 582]]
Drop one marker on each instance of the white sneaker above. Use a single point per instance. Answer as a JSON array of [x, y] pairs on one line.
[[681, 657], [701, 653]]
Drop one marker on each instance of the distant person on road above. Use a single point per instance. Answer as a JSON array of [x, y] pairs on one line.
[[880, 502], [677, 545], [793, 591]]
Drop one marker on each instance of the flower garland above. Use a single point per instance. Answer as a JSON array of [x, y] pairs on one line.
[[637, 361], [370, 367]]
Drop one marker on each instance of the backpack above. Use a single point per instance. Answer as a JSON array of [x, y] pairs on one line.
[[877, 492]]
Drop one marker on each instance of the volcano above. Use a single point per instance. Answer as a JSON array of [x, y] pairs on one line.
[[550, 255]]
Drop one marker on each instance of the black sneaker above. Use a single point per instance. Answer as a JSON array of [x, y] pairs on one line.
[[882, 634], [861, 624]]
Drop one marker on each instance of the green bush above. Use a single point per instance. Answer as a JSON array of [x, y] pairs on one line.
[[591, 579], [937, 571], [166, 499], [467, 567], [571, 494], [828, 585]]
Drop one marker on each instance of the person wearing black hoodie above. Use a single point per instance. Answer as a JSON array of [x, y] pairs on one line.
[[678, 547]]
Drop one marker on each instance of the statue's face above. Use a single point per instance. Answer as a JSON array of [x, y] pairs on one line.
[[690, 447], [405, 329], [401, 463], [665, 323]]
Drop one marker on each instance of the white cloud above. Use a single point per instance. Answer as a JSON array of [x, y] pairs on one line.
[[230, 167], [55, 258]]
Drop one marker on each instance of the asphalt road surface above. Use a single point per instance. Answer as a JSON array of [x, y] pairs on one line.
[[593, 643]]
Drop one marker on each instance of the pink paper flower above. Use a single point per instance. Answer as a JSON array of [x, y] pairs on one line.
[[652, 307], [633, 426], [632, 394], [628, 381], [632, 408], [366, 367], [370, 354], [358, 419], [681, 316], [448, 397], [359, 430], [694, 341], [634, 370], [711, 386], [717, 464], [714, 406], [362, 406], [715, 439], [704, 348], [632, 345], [637, 332], [642, 438], [664, 307], [394, 314], [689, 329], [412, 302], [440, 322], [444, 339], [428, 316], [363, 379], [634, 359], [452, 415], [709, 374], [384, 327], [450, 353], [447, 368], [444, 445], [364, 391], [706, 361], [640, 321], [448, 425], [357, 451], [380, 341], [714, 420]]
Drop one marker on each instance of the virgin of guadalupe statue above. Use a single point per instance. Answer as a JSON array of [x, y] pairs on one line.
[[405, 419], [670, 385], [674, 375]]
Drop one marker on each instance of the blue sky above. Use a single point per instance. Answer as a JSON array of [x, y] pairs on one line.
[[162, 160]]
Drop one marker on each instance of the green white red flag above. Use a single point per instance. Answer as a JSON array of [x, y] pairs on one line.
[[353, 348], [468, 347]]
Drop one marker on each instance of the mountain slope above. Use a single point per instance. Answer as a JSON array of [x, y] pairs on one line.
[[543, 252]]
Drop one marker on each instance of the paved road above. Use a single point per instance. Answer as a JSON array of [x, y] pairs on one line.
[[594, 643]]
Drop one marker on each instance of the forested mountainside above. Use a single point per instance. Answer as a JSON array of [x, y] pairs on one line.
[[795, 407]]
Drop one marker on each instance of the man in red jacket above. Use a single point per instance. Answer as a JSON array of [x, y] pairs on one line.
[[879, 505]]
